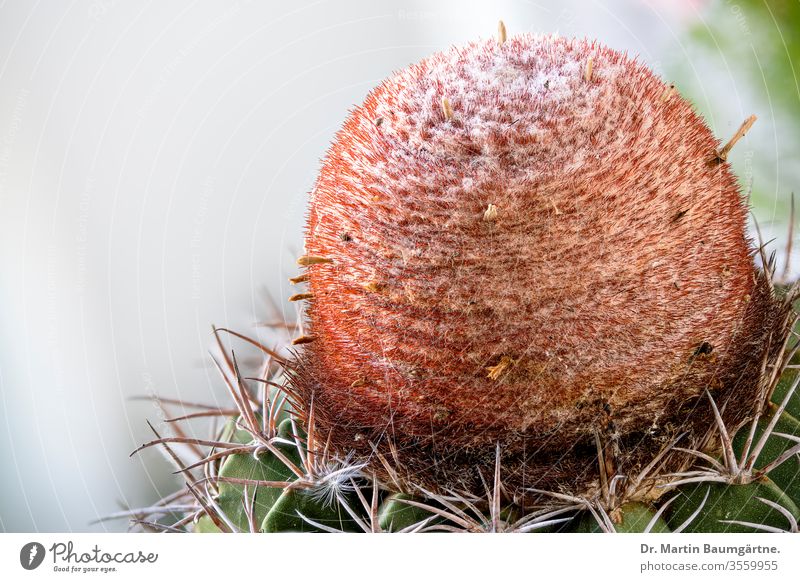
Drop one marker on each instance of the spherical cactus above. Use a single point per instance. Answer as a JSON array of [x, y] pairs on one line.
[[528, 243]]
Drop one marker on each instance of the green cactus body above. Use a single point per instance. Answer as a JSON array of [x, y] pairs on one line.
[[267, 467], [783, 386], [787, 475], [632, 517], [292, 506], [755, 502], [205, 525], [395, 515], [719, 503]]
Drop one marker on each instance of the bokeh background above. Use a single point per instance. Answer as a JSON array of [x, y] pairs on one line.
[[155, 160]]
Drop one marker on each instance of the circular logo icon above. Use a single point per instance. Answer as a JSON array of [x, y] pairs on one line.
[[31, 555]]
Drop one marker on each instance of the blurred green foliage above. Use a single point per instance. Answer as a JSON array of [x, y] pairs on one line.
[[762, 38], [754, 44]]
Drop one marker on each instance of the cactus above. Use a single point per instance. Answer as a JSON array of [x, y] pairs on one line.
[[531, 306]]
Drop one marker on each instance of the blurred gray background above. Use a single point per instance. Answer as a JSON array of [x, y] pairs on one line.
[[155, 160]]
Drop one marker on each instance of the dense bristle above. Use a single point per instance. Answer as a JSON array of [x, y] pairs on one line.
[[539, 246]]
